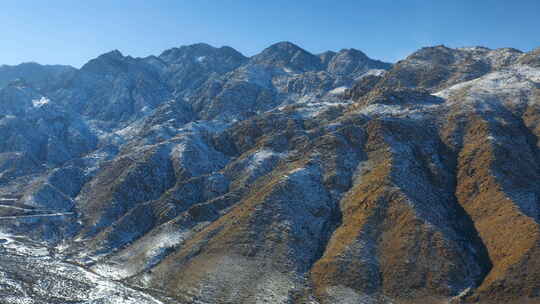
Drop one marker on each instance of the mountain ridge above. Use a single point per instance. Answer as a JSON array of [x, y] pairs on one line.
[[204, 176]]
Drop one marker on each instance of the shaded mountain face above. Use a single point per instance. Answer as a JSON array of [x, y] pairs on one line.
[[39, 76], [113, 90], [203, 176]]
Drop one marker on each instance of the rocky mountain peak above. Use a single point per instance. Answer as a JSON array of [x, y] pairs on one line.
[[351, 52], [287, 54], [439, 54], [114, 54], [284, 46], [188, 67], [201, 52], [111, 57], [354, 63], [113, 61]]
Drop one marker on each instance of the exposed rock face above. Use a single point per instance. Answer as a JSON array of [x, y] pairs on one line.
[[186, 68], [203, 176]]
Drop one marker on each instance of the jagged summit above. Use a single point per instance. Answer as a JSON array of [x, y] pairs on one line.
[[114, 54], [289, 55], [439, 54], [284, 46], [110, 62]]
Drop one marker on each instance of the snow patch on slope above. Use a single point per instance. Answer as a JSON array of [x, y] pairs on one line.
[[338, 90], [510, 82], [38, 103], [372, 72], [415, 112]]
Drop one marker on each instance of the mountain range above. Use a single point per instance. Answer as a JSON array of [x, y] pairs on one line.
[[205, 176]]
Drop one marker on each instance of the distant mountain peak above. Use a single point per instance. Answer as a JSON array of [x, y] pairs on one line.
[[198, 50], [290, 55], [23, 64], [285, 45], [113, 54], [352, 52], [107, 62], [39, 76], [284, 48], [200, 45], [354, 62]]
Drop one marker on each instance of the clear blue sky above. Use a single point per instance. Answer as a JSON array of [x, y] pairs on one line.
[[73, 31]]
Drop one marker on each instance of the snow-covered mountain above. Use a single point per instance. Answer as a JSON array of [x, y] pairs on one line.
[[204, 176]]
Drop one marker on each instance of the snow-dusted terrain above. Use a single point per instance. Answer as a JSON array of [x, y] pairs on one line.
[[204, 176], [31, 272]]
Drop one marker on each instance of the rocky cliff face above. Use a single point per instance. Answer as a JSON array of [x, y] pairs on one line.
[[203, 176]]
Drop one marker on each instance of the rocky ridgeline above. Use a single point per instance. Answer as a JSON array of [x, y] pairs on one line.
[[204, 176]]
